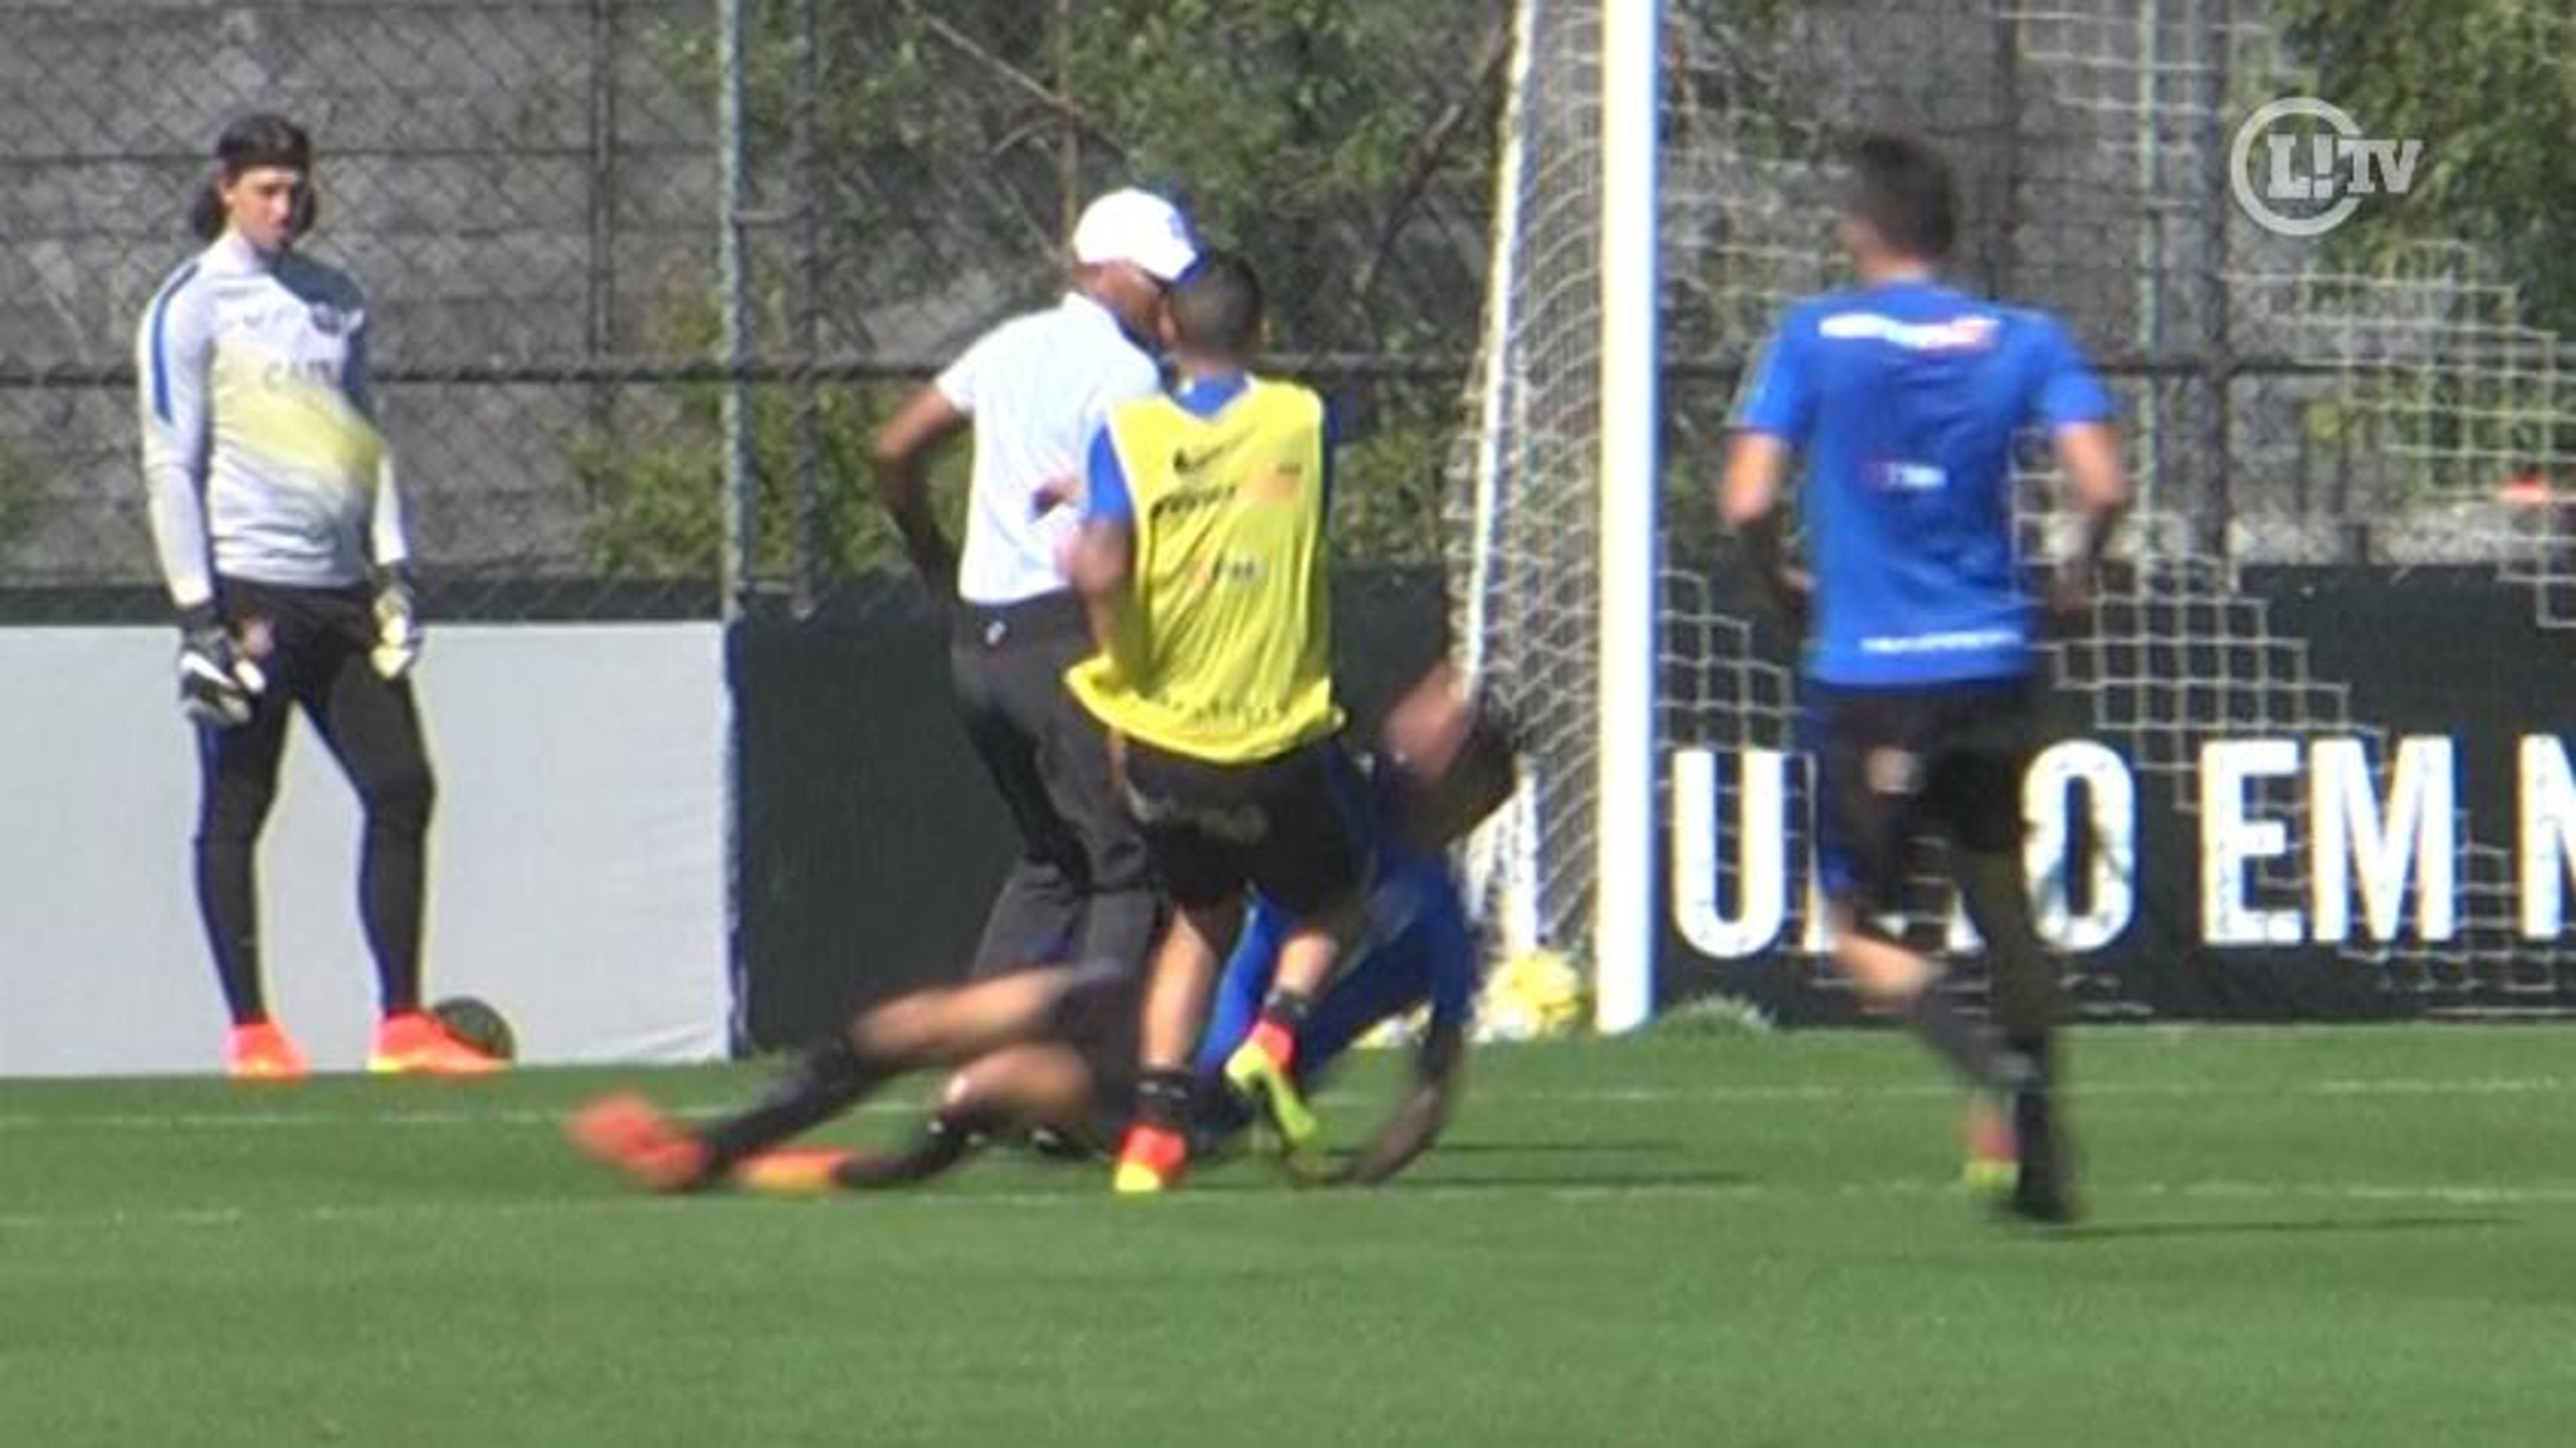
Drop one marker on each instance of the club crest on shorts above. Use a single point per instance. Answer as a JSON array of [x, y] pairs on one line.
[[1889, 770]]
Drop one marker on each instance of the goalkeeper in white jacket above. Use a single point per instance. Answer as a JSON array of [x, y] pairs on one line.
[[280, 536]]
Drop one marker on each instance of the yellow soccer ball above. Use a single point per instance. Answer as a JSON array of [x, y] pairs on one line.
[[1532, 996]]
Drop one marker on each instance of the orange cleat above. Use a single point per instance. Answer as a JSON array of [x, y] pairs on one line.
[[1150, 1160], [626, 1132], [791, 1172], [413, 1043], [262, 1052]]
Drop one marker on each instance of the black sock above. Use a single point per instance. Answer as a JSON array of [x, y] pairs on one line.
[[1954, 1038], [1287, 1009], [1163, 1100], [828, 1081], [2026, 1063]]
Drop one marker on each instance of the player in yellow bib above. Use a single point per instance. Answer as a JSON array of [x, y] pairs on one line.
[[1203, 558]]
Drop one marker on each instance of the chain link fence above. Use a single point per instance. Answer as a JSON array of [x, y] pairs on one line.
[[2393, 393], [645, 272], [595, 229]]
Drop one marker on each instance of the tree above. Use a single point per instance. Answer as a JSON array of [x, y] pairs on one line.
[[1345, 146], [2490, 88]]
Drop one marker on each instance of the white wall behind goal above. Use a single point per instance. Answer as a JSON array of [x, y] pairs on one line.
[[577, 866]]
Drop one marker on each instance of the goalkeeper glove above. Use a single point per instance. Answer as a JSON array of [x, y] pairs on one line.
[[398, 636], [218, 686]]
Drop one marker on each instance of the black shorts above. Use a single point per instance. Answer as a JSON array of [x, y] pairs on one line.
[[1893, 762], [1288, 826]]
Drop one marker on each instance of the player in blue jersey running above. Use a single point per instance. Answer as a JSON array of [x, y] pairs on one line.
[[1054, 1047], [1903, 399]]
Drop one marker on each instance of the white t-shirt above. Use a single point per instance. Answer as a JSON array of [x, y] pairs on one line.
[[1038, 386]]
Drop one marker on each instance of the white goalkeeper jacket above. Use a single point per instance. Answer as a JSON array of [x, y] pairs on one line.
[[260, 449]]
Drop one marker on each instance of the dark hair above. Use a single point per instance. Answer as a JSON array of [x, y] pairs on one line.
[[1216, 307], [1904, 191], [262, 138]]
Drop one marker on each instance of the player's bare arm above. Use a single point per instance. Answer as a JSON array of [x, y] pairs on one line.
[[2097, 487], [1757, 470], [900, 455], [1418, 1119], [1098, 565]]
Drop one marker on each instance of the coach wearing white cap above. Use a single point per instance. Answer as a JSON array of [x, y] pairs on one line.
[[1035, 389]]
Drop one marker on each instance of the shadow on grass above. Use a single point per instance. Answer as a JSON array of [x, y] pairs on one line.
[[1556, 1148], [1614, 1181], [2269, 1227]]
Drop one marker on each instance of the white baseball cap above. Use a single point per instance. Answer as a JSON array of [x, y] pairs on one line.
[[1138, 227]]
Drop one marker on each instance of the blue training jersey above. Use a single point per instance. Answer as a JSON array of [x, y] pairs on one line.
[[1903, 399]]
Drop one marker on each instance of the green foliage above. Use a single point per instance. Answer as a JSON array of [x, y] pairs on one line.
[[1389, 482], [2490, 88], [655, 485], [1288, 134], [1305, 133]]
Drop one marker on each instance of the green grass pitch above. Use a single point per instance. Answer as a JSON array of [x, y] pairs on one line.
[[2297, 1236]]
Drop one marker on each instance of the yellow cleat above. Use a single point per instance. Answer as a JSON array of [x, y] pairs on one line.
[[1273, 1093], [1135, 1179], [1992, 1163]]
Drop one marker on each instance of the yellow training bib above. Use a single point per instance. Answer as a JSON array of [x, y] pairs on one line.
[[1222, 646]]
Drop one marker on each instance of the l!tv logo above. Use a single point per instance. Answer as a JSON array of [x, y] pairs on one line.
[[2302, 166]]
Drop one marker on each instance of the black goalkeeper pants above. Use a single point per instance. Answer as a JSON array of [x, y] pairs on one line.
[[312, 644]]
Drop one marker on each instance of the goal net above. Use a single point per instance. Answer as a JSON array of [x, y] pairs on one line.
[[2281, 407]]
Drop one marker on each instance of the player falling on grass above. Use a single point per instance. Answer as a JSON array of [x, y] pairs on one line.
[[1054, 1047], [1903, 397], [280, 536], [1203, 557]]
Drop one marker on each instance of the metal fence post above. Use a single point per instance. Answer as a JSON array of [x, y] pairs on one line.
[[2218, 355], [732, 281]]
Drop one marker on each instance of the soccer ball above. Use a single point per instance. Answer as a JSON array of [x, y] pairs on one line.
[[1532, 996], [475, 1022]]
